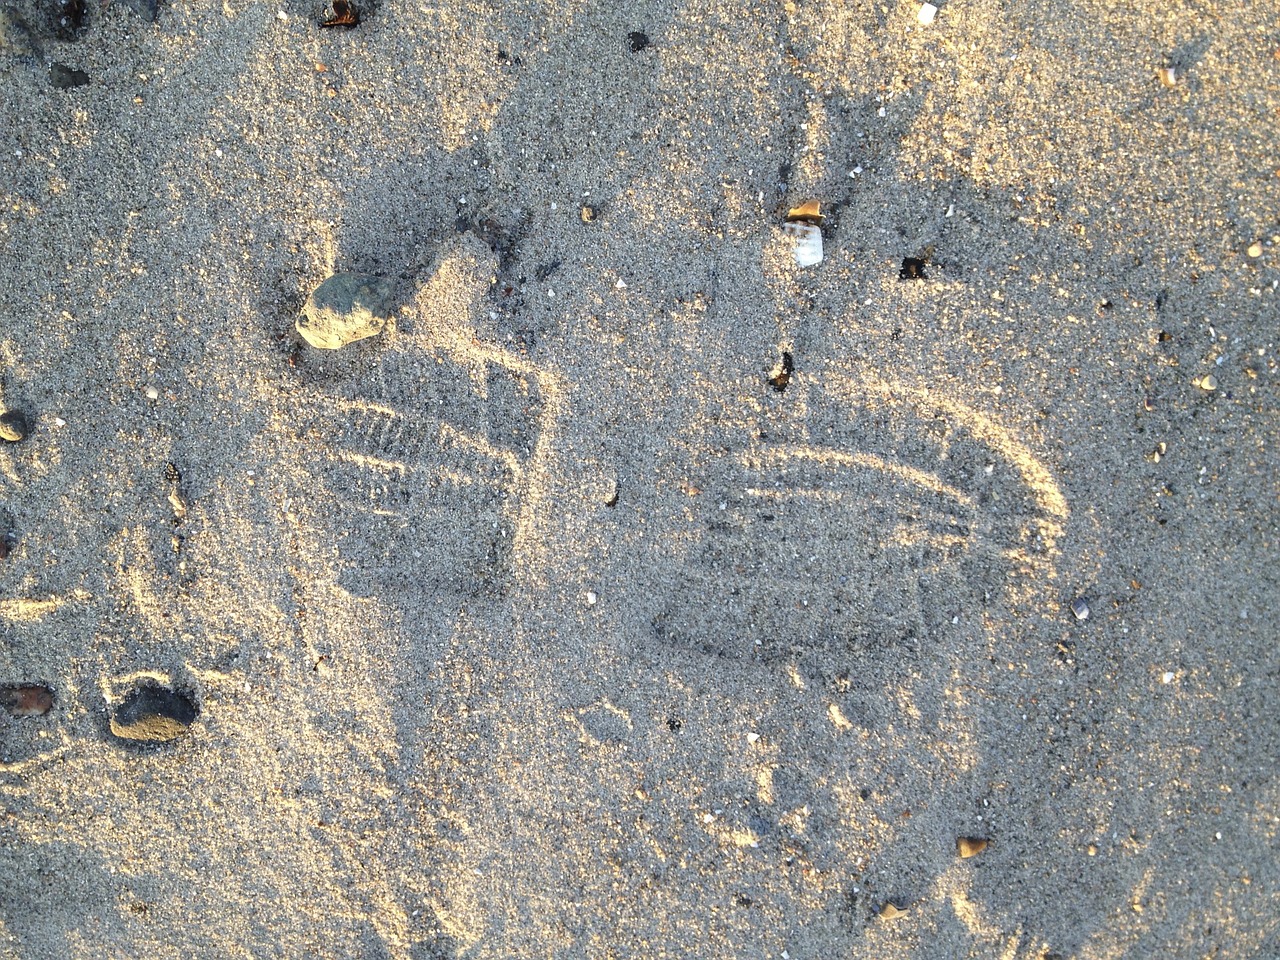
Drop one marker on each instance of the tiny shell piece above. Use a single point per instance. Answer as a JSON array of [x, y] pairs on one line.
[[926, 14], [1169, 76], [808, 242], [810, 211], [967, 847], [1080, 608]]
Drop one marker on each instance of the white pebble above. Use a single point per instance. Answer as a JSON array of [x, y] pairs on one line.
[[591, 598], [153, 393], [926, 14], [1168, 676], [752, 737]]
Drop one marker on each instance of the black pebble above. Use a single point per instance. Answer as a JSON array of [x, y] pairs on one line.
[[637, 41], [63, 77], [13, 426], [912, 269]]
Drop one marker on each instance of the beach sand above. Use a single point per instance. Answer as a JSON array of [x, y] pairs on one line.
[[637, 592]]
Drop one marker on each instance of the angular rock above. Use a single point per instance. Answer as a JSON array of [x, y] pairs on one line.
[[345, 308], [153, 714], [63, 77], [967, 847]]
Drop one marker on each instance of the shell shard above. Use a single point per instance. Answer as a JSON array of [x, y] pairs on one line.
[[807, 240]]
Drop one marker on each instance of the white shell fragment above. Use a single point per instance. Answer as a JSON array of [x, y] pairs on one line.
[[926, 13], [1168, 76], [808, 242]]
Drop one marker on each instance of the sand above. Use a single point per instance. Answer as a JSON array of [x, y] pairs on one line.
[[544, 624]]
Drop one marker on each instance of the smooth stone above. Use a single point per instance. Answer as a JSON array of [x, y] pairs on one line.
[[345, 308], [31, 700], [13, 426], [153, 714]]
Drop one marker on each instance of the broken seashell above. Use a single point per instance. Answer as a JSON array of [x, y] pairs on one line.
[[891, 911], [808, 243], [809, 212]]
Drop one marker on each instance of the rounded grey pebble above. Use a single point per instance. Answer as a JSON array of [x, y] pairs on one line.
[[13, 426], [345, 308]]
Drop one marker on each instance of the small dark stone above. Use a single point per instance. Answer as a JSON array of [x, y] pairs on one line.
[[912, 269], [637, 41], [63, 77], [13, 426], [674, 724], [26, 700], [153, 714]]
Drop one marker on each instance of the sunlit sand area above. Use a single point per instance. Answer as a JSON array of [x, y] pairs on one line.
[[709, 480]]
